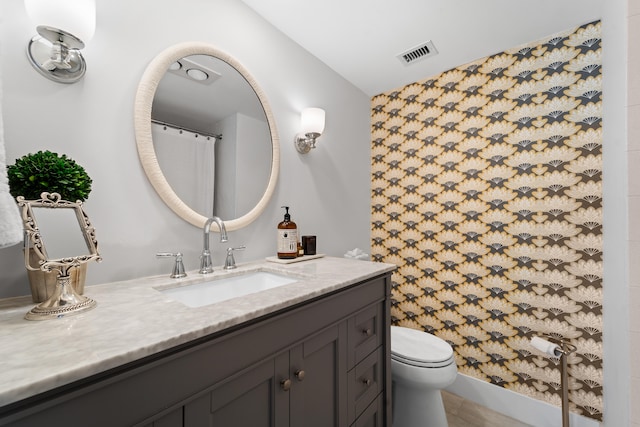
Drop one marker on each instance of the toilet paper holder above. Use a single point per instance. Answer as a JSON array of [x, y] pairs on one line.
[[559, 348]]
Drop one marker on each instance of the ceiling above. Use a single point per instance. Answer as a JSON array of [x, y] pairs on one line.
[[360, 39]]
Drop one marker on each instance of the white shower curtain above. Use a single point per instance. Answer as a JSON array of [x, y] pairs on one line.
[[188, 163]]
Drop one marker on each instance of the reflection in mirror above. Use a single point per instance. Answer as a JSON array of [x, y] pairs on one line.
[[188, 162], [208, 133], [61, 237], [208, 143]]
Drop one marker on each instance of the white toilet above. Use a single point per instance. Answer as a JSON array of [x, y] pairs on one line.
[[421, 365]]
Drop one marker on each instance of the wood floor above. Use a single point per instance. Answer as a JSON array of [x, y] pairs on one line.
[[465, 413]]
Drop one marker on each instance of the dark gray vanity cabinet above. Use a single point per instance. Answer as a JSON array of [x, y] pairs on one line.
[[325, 362], [298, 387]]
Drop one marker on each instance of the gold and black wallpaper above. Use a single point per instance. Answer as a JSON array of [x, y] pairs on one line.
[[486, 192]]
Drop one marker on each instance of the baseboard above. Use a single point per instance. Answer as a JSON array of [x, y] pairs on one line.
[[518, 406]]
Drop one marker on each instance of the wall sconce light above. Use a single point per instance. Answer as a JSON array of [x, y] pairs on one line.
[[64, 26], [312, 123]]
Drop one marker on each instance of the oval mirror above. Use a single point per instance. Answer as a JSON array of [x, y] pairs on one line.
[[206, 135]]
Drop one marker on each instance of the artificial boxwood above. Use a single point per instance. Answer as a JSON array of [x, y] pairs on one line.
[[46, 171]]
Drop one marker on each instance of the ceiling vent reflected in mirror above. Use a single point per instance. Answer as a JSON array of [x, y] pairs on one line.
[[193, 71], [422, 51]]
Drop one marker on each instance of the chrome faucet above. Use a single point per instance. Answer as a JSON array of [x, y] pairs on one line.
[[206, 266]]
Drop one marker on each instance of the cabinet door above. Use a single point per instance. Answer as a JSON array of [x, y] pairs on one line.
[[254, 397], [319, 379]]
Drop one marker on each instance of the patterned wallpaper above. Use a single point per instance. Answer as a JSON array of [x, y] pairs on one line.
[[487, 187]]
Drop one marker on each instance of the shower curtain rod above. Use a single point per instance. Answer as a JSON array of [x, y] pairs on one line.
[[171, 125]]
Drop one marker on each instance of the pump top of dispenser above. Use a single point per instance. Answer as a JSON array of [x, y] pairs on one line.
[[287, 217]]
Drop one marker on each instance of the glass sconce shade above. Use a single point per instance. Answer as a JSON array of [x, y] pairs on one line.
[[312, 120], [76, 17], [312, 124]]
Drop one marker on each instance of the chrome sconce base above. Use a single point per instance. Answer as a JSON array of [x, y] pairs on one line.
[[56, 55], [305, 142]]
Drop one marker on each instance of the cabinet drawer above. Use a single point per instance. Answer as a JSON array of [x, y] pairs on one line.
[[365, 382], [365, 333], [372, 416]]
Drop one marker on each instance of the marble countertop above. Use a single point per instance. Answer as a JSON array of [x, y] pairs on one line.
[[133, 320]]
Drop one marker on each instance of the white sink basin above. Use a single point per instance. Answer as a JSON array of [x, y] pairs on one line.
[[222, 289]]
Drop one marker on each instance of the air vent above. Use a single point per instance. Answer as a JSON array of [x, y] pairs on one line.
[[417, 53]]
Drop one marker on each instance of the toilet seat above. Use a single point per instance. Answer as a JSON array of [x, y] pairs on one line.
[[420, 349]]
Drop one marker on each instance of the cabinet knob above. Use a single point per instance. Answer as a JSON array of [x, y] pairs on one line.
[[367, 332], [299, 374], [285, 384], [366, 382]]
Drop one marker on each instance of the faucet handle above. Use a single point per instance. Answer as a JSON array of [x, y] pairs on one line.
[[230, 262], [178, 267]]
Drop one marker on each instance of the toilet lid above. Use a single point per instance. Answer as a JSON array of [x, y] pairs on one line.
[[419, 348]]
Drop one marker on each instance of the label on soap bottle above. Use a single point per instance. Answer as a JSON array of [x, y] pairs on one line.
[[288, 241]]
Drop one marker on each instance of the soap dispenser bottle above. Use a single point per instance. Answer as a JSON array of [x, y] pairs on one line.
[[287, 237]]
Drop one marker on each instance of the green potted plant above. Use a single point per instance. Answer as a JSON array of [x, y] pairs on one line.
[[30, 176], [47, 171]]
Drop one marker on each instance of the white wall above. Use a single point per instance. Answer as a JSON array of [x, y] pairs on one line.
[[92, 122], [633, 156], [616, 222]]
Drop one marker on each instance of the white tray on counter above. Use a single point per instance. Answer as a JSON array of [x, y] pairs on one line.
[[292, 260]]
